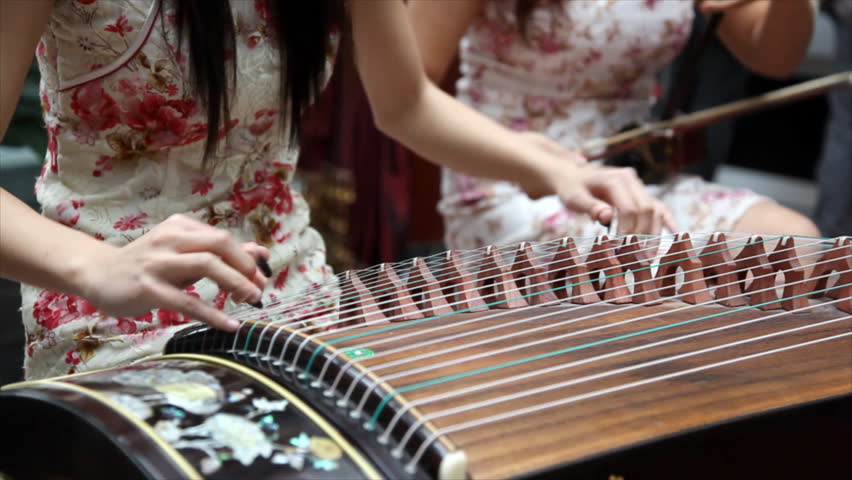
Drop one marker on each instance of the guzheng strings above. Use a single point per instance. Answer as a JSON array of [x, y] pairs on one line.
[[379, 288], [479, 319], [292, 304], [753, 259], [511, 414]]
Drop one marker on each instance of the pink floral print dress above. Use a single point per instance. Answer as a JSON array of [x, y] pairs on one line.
[[586, 69], [126, 140]]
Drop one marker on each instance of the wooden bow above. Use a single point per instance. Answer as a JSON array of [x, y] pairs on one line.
[[651, 132]]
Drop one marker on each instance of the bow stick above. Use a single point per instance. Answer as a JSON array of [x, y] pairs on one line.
[[648, 133]]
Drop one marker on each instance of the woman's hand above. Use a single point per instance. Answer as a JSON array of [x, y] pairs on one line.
[[153, 271], [410, 109], [601, 192], [150, 272], [597, 191]]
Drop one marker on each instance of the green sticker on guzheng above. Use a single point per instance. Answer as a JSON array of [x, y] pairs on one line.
[[358, 352]]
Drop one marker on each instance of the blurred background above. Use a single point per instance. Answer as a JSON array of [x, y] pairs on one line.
[[375, 202]]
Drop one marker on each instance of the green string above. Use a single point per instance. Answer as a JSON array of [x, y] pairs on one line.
[[352, 297], [322, 346], [387, 398]]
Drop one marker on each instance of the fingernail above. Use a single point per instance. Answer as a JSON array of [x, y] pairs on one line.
[[264, 267], [232, 324]]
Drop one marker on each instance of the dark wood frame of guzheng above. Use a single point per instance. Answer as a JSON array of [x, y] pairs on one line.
[[725, 356]]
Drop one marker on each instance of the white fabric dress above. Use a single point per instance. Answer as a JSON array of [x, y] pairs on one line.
[[126, 141], [586, 69]]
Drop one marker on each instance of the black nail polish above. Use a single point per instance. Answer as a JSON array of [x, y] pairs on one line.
[[264, 267], [257, 304]]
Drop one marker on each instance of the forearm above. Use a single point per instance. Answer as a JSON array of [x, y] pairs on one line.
[[412, 110], [770, 37], [444, 131], [39, 251]]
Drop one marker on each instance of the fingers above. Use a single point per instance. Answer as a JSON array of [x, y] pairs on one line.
[[582, 201], [621, 189], [205, 251], [185, 235], [173, 299], [651, 219], [669, 221], [657, 221], [153, 271], [638, 211], [261, 256], [257, 252], [205, 264], [224, 245], [607, 190]]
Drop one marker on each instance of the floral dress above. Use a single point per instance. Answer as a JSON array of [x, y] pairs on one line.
[[126, 141], [586, 69]]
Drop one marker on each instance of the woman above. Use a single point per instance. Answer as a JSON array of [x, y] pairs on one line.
[[576, 70], [172, 130]]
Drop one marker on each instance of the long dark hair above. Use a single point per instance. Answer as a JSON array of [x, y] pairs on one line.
[[524, 8], [301, 29]]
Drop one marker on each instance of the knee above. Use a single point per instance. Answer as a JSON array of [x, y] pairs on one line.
[[770, 218], [799, 224]]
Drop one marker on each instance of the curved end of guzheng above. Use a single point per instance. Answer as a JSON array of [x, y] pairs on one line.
[[688, 355], [466, 363], [348, 407], [177, 416]]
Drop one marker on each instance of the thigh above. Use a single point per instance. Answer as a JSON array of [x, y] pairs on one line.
[[699, 206], [769, 218], [516, 218]]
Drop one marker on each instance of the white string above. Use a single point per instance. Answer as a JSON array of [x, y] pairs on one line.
[[411, 404], [464, 256], [381, 379], [310, 338], [343, 318], [273, 343], [476, 277], [376, 367], [535, 408], [656, 279], [554, 386]]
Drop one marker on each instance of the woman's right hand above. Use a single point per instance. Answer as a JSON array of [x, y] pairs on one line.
[[153, 271], [602, 192]]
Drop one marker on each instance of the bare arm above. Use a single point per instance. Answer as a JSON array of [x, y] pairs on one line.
[[411, 109], [769, 37], [148, 273], [439, 26], [21, 25]]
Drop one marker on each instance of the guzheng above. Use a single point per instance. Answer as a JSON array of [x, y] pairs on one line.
[[614, 357]]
